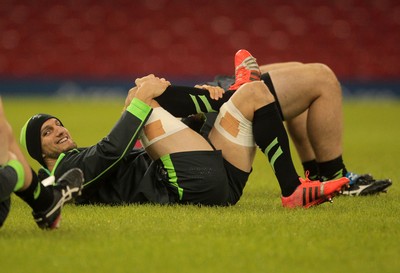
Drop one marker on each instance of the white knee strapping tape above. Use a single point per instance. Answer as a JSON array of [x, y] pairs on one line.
[[160, 125], [234, 126]]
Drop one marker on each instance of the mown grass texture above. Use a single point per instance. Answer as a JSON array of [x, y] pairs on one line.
[[358, 234]]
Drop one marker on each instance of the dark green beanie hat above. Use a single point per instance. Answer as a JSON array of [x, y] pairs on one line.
[[30, 136]]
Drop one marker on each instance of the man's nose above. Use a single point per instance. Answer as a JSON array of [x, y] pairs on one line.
[[59, 130]]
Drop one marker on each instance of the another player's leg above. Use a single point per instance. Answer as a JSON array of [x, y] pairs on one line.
[[323, 167], [18, 177], [66, 188], [4, 210], [360, 184], [46, 202], [252, 111], [8, 177]]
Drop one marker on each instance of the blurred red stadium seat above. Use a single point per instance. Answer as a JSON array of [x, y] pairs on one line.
[[104, 39]]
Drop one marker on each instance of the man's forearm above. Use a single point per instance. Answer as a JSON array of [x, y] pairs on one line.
[[126, 131]]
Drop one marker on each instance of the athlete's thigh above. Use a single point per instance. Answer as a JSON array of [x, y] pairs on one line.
[[239, 156], [295, 88], [164, 134], [182, 141]]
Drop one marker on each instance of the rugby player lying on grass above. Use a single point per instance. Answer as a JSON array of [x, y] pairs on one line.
[[179, 165], [160, 147]]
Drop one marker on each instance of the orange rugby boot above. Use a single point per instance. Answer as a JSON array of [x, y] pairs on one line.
[[246, 69]]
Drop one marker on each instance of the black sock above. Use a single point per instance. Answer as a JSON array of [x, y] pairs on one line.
[[332, 169], [8, 181], [37, 196], [312, 168], [182, 101], [271, 137]]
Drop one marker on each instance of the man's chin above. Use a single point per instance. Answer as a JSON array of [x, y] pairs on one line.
[[69, 147], [72, 146]]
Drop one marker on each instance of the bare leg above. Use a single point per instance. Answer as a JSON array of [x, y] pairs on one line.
[[313, 86], [8, 142], [230, 134], [269, 67], [247, 99], [297, 128], [181, 141]]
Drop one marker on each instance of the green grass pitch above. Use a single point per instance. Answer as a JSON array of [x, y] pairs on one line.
[[354, 234]]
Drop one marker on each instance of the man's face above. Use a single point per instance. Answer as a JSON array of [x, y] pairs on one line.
[[55, 139]]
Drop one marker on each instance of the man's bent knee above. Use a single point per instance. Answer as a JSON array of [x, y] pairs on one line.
[[234, 126], [255, 92], [325, 77]]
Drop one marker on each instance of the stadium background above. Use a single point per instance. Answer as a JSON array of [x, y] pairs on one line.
[[98, 47], [92, 48]]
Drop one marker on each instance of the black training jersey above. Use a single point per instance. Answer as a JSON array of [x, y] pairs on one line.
[[115, 172]]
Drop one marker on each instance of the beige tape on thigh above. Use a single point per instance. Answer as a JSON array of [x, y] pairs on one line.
[[234, 126], [160, 125]]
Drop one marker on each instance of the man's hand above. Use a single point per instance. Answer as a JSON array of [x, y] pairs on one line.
[[216, 92], [150, 87], [147, 88]]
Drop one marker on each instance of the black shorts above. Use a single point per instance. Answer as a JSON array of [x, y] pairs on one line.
[[202, 177]]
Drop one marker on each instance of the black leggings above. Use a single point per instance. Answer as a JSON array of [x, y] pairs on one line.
[[183, 101]]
